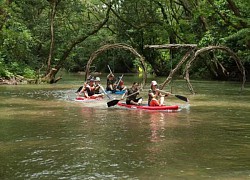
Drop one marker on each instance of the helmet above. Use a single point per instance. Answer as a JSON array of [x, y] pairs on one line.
[[97, 79], [153, 83]]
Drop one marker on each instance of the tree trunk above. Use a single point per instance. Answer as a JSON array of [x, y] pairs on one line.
[[50, 76], [52, 32]]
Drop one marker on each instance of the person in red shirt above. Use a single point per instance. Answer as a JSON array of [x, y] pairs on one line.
[[155, 98], [120, 86]]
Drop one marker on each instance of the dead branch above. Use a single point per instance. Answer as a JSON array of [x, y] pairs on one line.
[[172, 72], [117, 46], [209, 48], [171, 46]]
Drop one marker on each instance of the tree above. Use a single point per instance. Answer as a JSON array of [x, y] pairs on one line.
[[205, 23], [50, 76], [54, 34], [56, 28]]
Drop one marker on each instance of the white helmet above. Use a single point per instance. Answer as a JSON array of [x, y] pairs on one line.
[[97, 79], [153, 83]]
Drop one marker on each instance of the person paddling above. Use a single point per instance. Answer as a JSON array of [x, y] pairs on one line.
[[133, 98], [155, 98], [110, 82], [84, 84], [120, 86], [97, 85]]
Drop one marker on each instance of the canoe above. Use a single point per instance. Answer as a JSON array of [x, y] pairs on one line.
[[115, 92], [90, 98], [146, 107]]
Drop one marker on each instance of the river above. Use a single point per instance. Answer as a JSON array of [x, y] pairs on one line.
[[46, 134]]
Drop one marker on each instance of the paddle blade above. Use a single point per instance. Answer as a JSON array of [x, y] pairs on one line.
[[79, 89], [112, 103], [183, 98]]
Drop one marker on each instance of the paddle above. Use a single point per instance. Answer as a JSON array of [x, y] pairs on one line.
[[115, 101], [183, 98], [104, 91], [79, 89], [110, 70], [118, 83]]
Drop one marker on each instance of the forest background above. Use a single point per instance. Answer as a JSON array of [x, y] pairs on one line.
[[39, 38]]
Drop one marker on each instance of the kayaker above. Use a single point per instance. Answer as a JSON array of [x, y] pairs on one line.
[[89, 90], [133, 98], [97, 85], [120, 86], [155, 98], [110, 82], [84, 84]]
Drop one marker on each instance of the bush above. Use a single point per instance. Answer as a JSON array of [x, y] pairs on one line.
[[29, 73]]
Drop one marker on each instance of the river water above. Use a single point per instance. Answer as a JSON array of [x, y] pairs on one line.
[[46, 134]]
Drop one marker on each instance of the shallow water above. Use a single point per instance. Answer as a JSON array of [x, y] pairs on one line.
[[45, 134]]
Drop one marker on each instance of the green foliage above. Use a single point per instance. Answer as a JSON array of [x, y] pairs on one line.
[[242, 36], [25, 35], [29, 73], [207, 39], [4, 72], [2, 69]]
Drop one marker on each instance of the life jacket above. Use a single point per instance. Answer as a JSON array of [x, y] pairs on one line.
[[131, 91], [90, 90], [149, 97]]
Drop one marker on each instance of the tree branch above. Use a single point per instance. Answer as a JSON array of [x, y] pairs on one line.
[[82, 38]]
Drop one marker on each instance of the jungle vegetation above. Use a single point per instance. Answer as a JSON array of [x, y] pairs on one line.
[[39, 38]]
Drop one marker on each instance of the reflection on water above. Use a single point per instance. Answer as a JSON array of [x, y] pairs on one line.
[[45, 134], [157, 126]]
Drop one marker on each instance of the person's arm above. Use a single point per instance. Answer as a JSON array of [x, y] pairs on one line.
[[152, 95], [97, 87], [161, 94], [114, 84], [82, 91], [85, 91], [126, 93]]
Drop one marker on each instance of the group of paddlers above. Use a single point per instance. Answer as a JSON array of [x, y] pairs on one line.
[[92, 87], [155, 97]]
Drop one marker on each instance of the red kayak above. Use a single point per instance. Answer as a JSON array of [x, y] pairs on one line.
[[90, 98], [146, 107]]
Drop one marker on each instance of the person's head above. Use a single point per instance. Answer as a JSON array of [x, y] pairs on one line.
[[97, 79], [136, 86], [154, 84], [91, 81], [88, 78], [111, 76]]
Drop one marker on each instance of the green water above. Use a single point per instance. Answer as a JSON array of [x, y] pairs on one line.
[[45, 134]]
